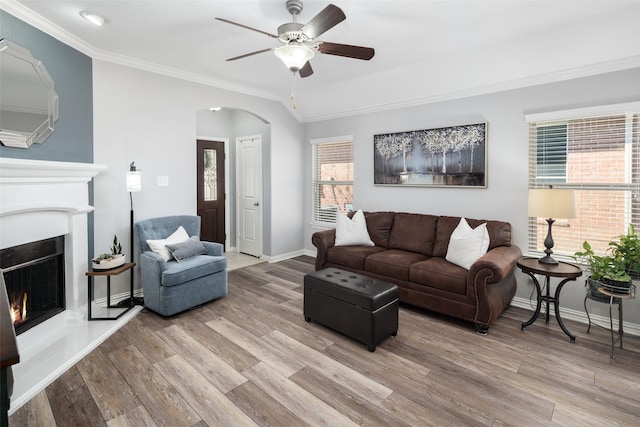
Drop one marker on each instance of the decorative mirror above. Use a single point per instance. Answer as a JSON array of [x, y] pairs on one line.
[[28, 103]]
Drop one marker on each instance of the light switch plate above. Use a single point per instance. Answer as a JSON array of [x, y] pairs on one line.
[[163, 181]]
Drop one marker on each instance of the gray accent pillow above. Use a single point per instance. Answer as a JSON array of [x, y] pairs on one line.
[[187, 249]]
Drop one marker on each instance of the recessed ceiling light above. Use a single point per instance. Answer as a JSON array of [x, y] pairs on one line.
[[94, 18], [214, 109]]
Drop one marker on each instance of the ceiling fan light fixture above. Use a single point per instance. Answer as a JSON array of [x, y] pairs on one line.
[[294, 55], [94, 18]]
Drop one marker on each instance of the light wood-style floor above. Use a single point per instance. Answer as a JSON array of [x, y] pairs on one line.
[[251, 359]]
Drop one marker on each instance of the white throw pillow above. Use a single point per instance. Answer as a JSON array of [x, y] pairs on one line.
[[160, 246], [467, 244], [352, 231]]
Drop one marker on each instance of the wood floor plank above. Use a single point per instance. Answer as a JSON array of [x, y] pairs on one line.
[[110, 391], [36, 412], [148, 343], [137, 417], [383, 366], [301, 402], [277, 358], [164, 404], [209, 402], [223, 376], [352, 380], [281, 319], [86, 413], [263, 409], [352, 405], [225, 349], [411, 386]]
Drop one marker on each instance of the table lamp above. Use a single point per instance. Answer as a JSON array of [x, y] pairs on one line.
[[551, 203]]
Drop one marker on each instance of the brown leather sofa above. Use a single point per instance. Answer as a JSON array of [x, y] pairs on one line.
[[410, 251]]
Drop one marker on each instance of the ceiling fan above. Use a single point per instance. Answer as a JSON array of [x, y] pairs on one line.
[[299, 39]]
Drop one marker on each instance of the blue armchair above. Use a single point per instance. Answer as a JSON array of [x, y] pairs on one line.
[[171, 286]]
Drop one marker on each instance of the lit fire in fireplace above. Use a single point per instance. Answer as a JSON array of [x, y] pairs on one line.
[[18, 308]]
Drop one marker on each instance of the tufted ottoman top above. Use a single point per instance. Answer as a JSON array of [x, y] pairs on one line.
[[353, 288]]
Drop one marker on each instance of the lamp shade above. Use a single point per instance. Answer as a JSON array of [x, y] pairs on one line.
[[552, 203], [294, 55]]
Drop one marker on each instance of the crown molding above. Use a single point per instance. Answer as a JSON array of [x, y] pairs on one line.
[[547, 78]]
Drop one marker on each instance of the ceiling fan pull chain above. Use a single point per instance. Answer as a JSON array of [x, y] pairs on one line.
[[293, 89]]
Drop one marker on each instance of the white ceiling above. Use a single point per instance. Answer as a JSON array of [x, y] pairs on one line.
[[426, 50]]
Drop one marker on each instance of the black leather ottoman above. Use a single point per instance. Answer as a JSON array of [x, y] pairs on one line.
[[358, 306]]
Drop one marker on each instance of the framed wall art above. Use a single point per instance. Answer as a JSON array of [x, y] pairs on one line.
[[452, 156]]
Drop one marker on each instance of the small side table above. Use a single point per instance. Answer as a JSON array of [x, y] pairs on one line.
[[564, 270], [616, 298], [108, 273]]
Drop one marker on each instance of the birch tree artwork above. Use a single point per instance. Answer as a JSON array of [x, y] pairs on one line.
[[445, 156]]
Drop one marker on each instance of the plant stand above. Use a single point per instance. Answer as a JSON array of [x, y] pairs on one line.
[[606, 294]]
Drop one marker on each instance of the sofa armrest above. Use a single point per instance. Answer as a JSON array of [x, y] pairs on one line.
[[492, 281], [323, 240], [500, 261], [213, 248]]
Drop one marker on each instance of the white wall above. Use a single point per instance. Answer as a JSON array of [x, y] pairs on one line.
[[505, 198], [151, 119]]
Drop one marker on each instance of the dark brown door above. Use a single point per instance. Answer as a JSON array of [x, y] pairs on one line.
[[211, 196]]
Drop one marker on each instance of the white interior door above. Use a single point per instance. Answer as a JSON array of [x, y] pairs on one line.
[[249, 193]]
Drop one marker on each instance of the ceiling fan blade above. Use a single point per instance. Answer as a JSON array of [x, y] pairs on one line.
[[247, 27], [306, 70], [249, 54], [349, 51], [328, 17]]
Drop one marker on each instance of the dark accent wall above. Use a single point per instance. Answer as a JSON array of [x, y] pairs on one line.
[[71, 71]]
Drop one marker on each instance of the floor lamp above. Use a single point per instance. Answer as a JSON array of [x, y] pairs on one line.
[[551, 203], [134, 185]]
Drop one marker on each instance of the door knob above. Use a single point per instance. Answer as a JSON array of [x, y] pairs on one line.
[[256, 204]]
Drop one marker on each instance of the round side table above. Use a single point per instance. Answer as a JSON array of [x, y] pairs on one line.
[[563, 270]]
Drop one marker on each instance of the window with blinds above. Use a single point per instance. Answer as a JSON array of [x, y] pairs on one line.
[[332, 179], [599, 157]]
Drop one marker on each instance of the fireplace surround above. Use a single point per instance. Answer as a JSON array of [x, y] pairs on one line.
[[40, 200]]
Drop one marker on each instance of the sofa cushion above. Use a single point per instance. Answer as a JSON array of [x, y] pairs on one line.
[[413, 233], [379, 226], [499, 233], [352, 231], [440, 274], [192, 268], [467, 244], [351, 256], [392, 263]]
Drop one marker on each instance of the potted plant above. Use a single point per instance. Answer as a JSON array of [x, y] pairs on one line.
[[627, 252], [110, 260], [615, 268]]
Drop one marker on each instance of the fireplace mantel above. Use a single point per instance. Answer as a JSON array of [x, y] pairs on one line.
[[29, 171]]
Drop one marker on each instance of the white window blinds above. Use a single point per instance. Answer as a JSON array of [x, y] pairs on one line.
[[332, 179], [599, 157]]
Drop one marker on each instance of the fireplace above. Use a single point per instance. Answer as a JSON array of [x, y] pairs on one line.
[[34, 277]]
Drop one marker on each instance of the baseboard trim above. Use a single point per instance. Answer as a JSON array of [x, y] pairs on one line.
[[581, 316]]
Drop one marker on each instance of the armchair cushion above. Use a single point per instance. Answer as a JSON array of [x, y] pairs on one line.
[[192, 268], [187, 249]]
